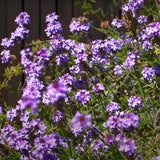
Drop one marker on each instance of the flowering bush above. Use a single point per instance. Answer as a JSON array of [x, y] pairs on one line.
[[86, 98]]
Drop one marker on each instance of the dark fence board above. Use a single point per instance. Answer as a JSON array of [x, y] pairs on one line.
[[12, 13], [77, 11], [65, 11], [32, 8]]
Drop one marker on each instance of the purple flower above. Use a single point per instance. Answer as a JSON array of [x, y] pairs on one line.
[[80, 122], [130, 120], [83, 96], [118, 23], [153, 29], [113, 122], [130, 61], [142, 19], [66, 79], [135, 102], [62, 59], [132, 6], [53, 25], [75, 69], [98, 148], [109, 139], [56, 43], [79, 25], [128, 146], [52, 17], [22, 19], [53, 28], [55, 91], [118, 70], [80, 58], [7, 43], [113, 107], [5, 56], [19, 33], [148, 73], [98, 88], [57, 116], [157, 70], [43, 54], [11, 114]]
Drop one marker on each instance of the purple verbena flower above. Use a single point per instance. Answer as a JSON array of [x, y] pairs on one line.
[[128, 146], [55, 91], [118, 70], [80, 122], [130, 61], [66, 79], [148, 73], [98, 88], [43, 54], [76, 69], [11, 114], [153, 29], [53, 25], [134, 102], [118, 23], [57, 116], [113, 107], [52, 17], [22, 19], [83, 96], [7, 43], [142, 19], [5, 56], [62, 59], [79, 25], [130, 120]]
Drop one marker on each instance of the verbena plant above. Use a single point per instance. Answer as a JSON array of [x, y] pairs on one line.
[[85, 98]]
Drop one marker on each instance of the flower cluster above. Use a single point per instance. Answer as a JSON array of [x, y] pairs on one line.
[[79, 25], [53, 25], [21, 31], [135, 102], [132, 6], [118, 23], [83, 98], [80, 122], [148, 73]]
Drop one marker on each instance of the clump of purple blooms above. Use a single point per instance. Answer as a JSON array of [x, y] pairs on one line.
[[83, 96], [53, 25], [135, 102], [148, 73], [21, 31], [77, 100], [80, 122], [118, 23], [113, 107], [80, 24]]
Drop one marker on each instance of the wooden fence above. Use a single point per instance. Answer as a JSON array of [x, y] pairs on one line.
[[37, 9]]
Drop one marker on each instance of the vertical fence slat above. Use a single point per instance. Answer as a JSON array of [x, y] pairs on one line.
[[13, 9], [47, 7], [3, 34], [65, 13], [77, 11], [32, 8], [3, 20]]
